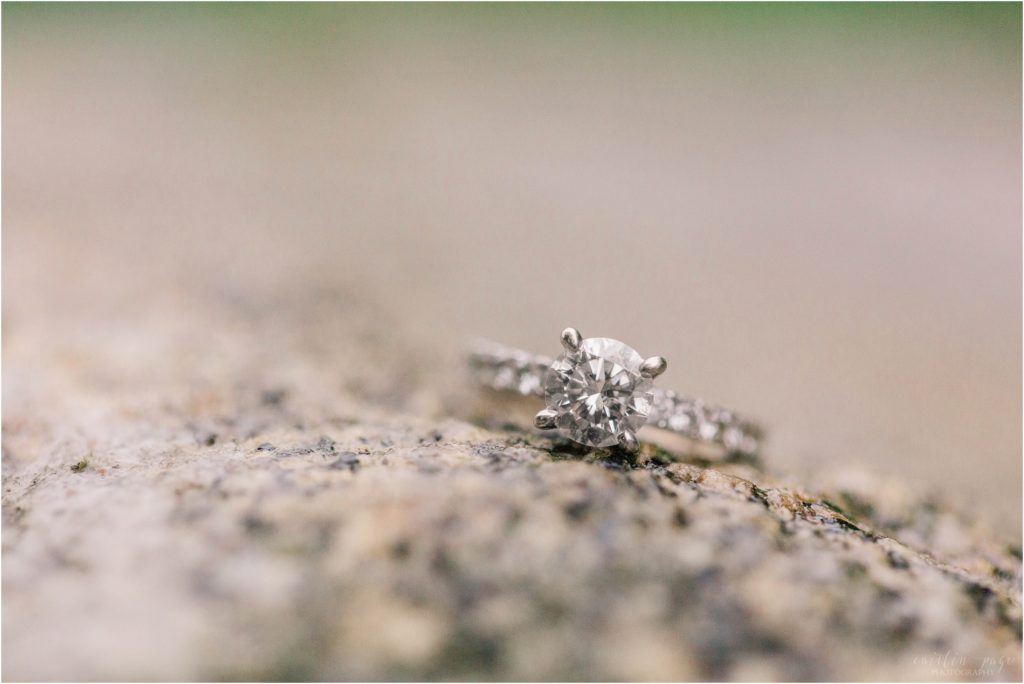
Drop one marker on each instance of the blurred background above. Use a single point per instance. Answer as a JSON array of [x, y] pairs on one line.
[[813, 211]]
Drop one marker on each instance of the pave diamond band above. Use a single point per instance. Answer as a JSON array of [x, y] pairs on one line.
[[599, 393]]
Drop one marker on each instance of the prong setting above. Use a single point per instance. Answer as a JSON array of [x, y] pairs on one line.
[[598, 390], [628, 442], [571, 339], [654, 366], [546, 419]]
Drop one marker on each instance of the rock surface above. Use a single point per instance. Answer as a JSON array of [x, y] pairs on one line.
[[280, 490]]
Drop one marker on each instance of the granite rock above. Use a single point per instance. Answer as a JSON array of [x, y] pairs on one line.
[[282, 490]]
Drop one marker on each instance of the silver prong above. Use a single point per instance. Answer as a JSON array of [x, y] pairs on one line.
[[545, 419], [628, 442], [654, 366], [571, 339]]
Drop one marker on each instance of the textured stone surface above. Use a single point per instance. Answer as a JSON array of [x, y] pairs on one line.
[[277, 488]]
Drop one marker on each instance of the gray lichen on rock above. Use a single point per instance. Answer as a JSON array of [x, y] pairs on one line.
[[271, 513]]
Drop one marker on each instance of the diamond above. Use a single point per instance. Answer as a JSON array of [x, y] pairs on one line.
[[598, 392]]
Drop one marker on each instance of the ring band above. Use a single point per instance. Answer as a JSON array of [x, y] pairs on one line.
[[504, 368]]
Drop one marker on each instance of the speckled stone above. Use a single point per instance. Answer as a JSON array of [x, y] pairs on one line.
[[219, 492]]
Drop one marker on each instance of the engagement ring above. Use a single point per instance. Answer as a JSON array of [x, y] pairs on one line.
[[599, 392]]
